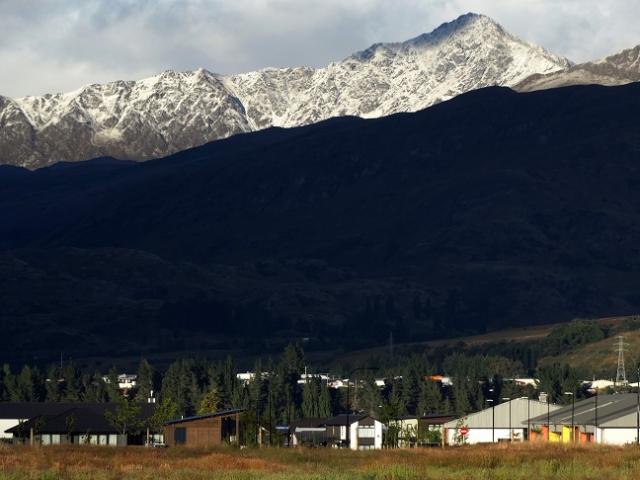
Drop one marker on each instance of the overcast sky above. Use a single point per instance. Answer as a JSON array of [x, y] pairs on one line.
[[60, 45]]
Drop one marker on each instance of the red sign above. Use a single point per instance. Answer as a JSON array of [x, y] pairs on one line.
[[464, 431]]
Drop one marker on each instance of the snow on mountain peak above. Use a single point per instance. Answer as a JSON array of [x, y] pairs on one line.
[[173, 110]]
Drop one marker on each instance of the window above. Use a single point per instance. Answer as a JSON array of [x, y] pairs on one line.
[[366, 432], [180, 436]]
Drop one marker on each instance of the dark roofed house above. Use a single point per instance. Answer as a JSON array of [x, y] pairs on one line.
[[309, 432], [207, 430], [365, 432], [68, 423]]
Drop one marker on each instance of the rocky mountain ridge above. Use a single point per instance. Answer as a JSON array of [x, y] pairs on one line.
[[173, 111], [618, 69]]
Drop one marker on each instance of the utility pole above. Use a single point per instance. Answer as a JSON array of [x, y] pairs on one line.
[[621, 374]]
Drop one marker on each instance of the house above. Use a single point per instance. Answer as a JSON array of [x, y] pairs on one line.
[[415, 430], [608, 419], [207, 430], [404, 430], [310, 432], [126, 381], [444, 381], [527, 382], [599, 385], [431, 427], [365, 432], [508, 421], [72, 423]]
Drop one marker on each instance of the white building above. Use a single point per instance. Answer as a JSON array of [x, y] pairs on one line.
[[609, 419], [126, 381], [600, 385], [365, 432], [502, 423]]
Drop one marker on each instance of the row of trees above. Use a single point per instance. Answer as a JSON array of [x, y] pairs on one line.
[[274, 396]]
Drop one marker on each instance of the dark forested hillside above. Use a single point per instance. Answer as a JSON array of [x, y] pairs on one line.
[[490, 210]]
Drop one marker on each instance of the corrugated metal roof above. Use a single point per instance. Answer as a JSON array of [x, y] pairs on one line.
[[221, 413], [521, 410], [617, 410]]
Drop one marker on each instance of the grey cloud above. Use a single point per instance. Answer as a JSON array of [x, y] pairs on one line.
[[56, 45]]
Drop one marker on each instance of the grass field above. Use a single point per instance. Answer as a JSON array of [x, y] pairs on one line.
[[479, 462]]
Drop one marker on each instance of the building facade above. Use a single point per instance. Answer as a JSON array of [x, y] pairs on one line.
[[506, 422], [208, 430]]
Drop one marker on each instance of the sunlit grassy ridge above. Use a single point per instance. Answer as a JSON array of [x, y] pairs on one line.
[[481, 462]]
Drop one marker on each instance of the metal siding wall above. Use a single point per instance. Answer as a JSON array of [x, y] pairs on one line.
[[618, 436], [519, 410]]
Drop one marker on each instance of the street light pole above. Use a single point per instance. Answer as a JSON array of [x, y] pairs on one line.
[[573, 412], [493, 420], [508, 399], [548, 420], [595, 433], [638, 410], [493, 416]]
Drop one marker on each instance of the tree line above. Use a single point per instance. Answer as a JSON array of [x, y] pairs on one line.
[[274, 396]]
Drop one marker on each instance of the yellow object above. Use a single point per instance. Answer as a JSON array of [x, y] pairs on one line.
[[566, 434], [555, 437]]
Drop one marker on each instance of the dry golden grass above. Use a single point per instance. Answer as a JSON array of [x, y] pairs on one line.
[[480, 462]]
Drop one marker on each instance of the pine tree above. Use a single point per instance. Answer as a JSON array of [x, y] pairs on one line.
[[210, 402], [27, 385], [310, 399], [146, 381], [411, 390], [72, 385], [125, 418], [166, 410], [324, 402], [430, 398], [10, 384]]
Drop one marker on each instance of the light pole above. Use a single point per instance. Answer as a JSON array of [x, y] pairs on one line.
[[548, 416], [508, 399], [595, 433], [528, 415], [359, 369], [573, 413], [493, 420], [638, 410]]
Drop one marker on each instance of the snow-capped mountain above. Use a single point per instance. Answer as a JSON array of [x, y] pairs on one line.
[[173, 111], [618, 69]]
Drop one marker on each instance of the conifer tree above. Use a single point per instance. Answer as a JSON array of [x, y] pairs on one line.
[[210, 402], [146, 381]]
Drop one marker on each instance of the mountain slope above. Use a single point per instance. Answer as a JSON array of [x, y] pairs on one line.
[[173, 111], [490, 210], [618, 69]]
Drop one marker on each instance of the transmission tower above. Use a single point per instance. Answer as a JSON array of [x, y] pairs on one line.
[[621, 374]]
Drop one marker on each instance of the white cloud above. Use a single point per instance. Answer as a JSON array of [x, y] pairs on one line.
[[58, 45]]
